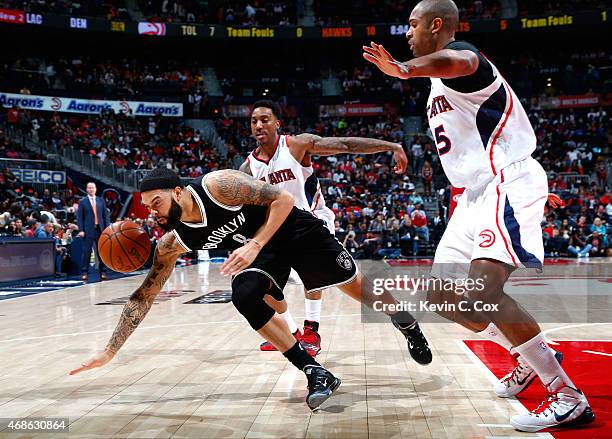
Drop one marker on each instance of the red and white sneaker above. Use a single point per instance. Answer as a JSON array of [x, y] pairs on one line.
[[310, 338], [564, 407], [519, 378], [267, 346]]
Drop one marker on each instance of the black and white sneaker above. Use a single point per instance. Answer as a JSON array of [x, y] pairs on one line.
[[321, 385], [563, 407], [417, 343], [519, 378]]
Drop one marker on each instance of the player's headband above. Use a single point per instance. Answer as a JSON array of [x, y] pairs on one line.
[[169, 181]]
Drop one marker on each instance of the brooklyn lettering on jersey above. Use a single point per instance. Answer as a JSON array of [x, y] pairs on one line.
[[277, 177], [439, 104], [216, 237]]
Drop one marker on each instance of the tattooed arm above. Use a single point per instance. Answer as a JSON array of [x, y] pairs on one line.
[[140, 302], [316, 145], [234, 188]]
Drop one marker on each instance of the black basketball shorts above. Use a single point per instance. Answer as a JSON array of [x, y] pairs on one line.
[[313, 252]]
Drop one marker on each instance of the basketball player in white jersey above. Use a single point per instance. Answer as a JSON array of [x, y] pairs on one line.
[[285, 161], [485, 142]]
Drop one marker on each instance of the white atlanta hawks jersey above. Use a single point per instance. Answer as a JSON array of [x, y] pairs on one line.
[[479, 133], [284, 170]]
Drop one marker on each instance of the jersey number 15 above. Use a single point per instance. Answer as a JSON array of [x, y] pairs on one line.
[[441, 139]]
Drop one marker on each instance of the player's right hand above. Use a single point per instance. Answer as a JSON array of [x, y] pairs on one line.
[[240, 258], [81, 234], [378, 55], [98, 359], [401, 161]]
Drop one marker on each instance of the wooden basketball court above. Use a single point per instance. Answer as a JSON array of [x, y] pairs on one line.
[[194, 370]]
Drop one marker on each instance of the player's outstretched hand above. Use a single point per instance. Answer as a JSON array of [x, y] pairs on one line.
[[98, 359], [401, 161], [554, 201], [241, 258], [378, 55]]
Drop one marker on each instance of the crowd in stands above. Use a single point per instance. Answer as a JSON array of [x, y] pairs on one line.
[[581, 72], [109, 9], [237, 12], [103, 78], [393, 11], [122, 140]]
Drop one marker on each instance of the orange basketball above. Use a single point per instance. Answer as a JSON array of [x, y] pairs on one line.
[[124, 246]]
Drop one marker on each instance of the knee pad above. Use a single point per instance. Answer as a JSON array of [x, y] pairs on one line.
[[248, 289]]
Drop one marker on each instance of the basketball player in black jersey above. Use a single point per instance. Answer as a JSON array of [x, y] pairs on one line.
[[269, 236]]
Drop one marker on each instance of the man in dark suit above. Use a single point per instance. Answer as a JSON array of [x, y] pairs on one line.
[[92, 218]]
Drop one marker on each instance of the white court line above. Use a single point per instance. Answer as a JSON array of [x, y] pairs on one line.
[[598, 353], [494, 425], [73, 334], [580, 325], [514, 403]]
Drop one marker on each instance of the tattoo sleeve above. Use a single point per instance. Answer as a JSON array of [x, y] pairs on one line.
[[141, 300], [235, 188], [349, 145]]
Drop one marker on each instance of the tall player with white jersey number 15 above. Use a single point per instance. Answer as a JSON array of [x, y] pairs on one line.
[[285, 161], [485, 142]]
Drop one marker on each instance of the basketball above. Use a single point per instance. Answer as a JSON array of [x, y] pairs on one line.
[[124, 246]]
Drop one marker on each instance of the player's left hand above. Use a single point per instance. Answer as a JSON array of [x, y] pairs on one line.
[[401, 161], [555, 201], [98, 359], [240, 258]]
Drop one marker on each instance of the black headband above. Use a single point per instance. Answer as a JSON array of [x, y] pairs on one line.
[[160, 182]]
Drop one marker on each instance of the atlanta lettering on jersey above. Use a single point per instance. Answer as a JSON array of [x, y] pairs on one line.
[[439, 104], [215, 238], [277, 177]]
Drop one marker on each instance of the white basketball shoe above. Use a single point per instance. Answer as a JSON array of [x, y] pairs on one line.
[[564, 407], [519, 378]]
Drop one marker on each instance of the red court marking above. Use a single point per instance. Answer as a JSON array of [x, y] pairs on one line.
[[590, 372]]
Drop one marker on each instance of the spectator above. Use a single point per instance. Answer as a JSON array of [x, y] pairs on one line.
[[93, 218], [419, 220], [578, 246], [427, 174]]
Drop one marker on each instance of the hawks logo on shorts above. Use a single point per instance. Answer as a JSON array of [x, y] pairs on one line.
[[488, 238], [344, 260]]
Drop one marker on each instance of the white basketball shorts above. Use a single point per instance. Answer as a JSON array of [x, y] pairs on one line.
[[500, 221]]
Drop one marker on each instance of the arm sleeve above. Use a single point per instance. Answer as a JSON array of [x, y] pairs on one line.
[[481, 78]]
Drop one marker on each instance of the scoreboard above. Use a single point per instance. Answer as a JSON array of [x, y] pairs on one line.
[[219, 31]]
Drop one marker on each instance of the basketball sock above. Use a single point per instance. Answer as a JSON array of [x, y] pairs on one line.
[[299, 357], [404, 319], [313, 309], [542, 359], [288, 318], [493, 333]]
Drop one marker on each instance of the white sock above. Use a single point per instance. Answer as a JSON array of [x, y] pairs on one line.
[[288, 318], [313, 310], [541, 357], [493, 333]]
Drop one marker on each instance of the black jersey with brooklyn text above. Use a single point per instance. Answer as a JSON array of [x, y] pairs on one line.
[[229, 227]]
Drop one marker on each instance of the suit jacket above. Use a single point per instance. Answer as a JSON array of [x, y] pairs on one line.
[[85, 216]]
